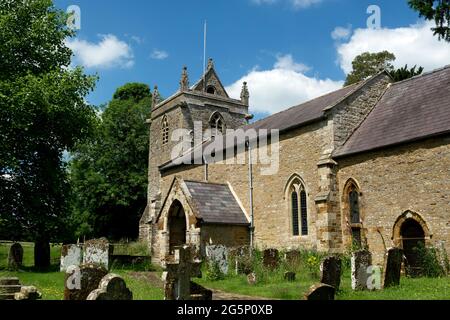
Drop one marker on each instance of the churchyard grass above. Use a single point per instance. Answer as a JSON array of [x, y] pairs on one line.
[[271, 284], [28, 254]]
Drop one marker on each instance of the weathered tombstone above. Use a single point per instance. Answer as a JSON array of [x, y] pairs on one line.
[[392, 267], [218, 254], [177, 277], [270, 259], [80, 281], [9, 287], [320, 292], [28, 293], [292, 257], [251, 279], [289, 276], [112, 287], [15, 256], [361, 261], [330, 271], [71, 255], [96, 251], [241, 256]]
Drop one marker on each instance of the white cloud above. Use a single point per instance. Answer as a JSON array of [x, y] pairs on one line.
[[281, 87], [286, 62], [413, 45], [297, 4], [109, 52], [300, 4], [159, 54], [341, 33]]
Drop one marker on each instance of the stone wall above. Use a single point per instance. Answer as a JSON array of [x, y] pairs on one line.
[[349, 114], [300, 151], [413, 177]]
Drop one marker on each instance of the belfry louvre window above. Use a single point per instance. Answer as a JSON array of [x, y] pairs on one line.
[[298, 208], [295, 228], [165, 131]]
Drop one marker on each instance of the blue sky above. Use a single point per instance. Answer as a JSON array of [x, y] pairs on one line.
[[285, 49]]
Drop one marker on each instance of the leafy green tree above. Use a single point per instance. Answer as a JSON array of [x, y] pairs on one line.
[[42, 114], [436, 10], [369, 64], [405, 73], [109, 174]]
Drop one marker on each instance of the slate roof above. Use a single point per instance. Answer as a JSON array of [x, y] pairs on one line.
[[216, 204], [304, 113], [409, 110], [296, 116]]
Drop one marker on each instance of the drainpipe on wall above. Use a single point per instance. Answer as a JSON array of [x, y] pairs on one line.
[[250, 183]]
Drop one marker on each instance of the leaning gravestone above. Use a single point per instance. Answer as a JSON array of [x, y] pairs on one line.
[[96, 251], [177, 277], [80, 281], [9, 287], [292, 257], [361, 261], [218, 254], [112, 287], [330, 271], [320, 292], [71, 255], [270, 259], [392, 267], [15, 256]]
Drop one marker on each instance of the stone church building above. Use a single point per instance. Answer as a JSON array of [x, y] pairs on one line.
[[367, 165]]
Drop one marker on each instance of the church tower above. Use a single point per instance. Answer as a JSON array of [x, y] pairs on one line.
[[207, 102]]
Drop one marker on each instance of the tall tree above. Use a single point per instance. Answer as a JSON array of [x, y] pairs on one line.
[[436, 10], [42, 114], [405, 73], [109, 174], [368, 64]]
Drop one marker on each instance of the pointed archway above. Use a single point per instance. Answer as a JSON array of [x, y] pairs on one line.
[[413, 237], [176, 225]]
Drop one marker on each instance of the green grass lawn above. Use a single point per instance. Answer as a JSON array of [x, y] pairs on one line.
[[275, 287], [28, 254], [271, 284]]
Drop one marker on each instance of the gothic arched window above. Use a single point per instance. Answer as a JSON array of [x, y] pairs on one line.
[[353, 212], [165, 131], [298, 208], [211, 90], [217, 124]]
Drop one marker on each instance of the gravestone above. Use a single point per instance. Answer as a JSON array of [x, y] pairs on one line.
[[177, 277], [80, 281], [320, 292], [96, 251], [292, 257], [9, 287], [242, 259], [28, 293], [218, 254], [289, 276], [112, 287], [270, 259], [251, 279], [71, 255], [15, 256], [392, 267], [361, 261], [330, 271]]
